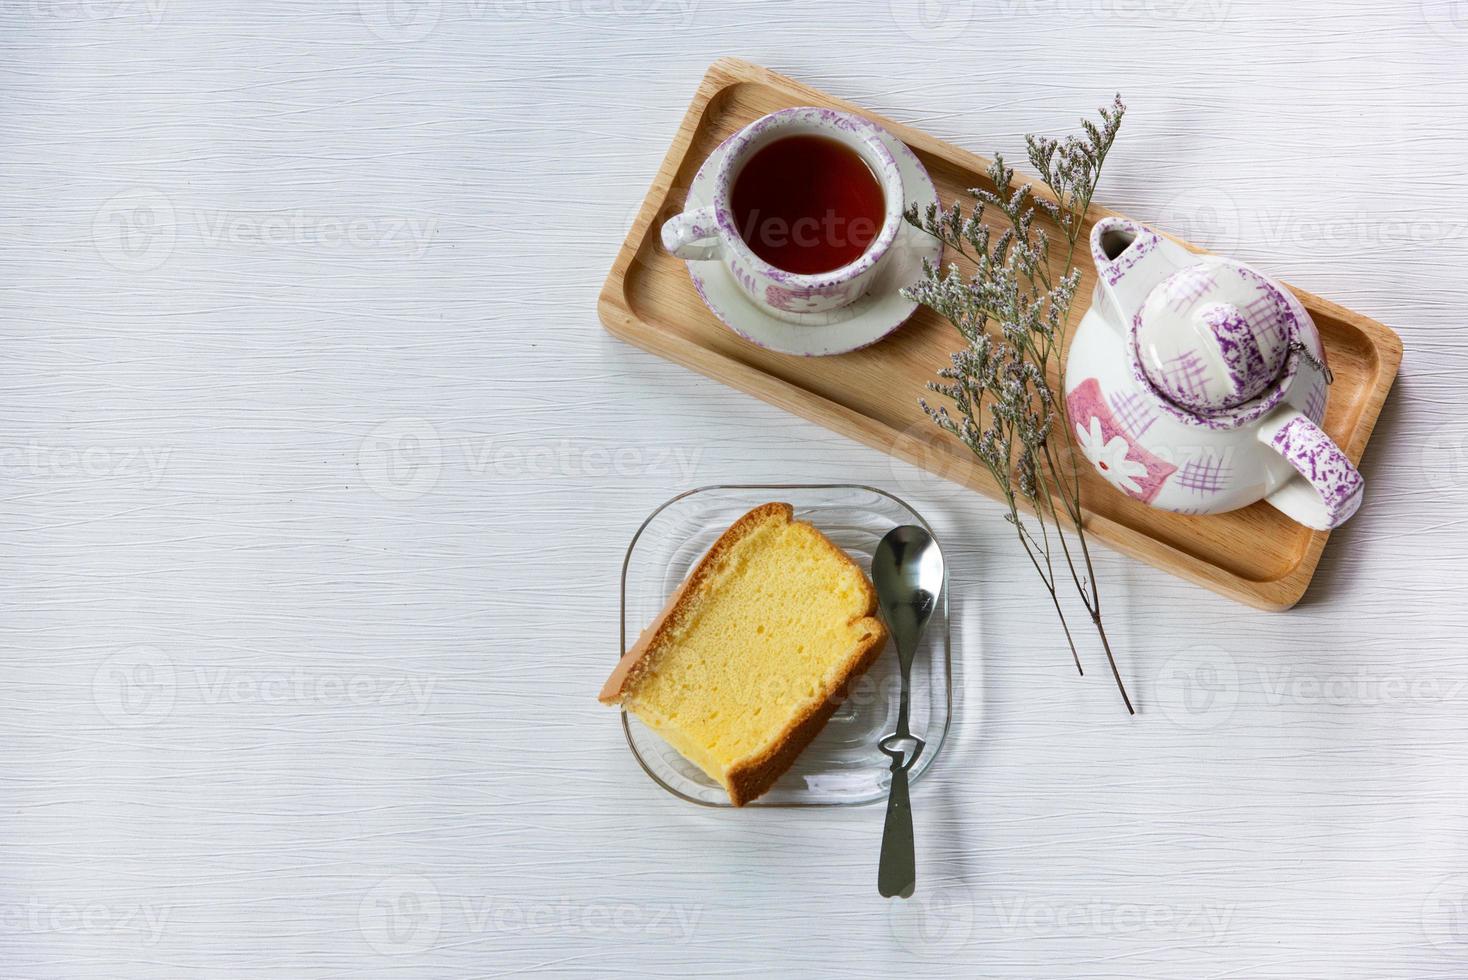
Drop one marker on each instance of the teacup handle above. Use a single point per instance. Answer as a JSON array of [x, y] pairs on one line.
[[1328, 488], [693, 235]]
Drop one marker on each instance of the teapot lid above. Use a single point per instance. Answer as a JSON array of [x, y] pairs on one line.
[[1213, 336]]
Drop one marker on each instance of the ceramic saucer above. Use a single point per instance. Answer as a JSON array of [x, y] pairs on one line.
[[866, 321]]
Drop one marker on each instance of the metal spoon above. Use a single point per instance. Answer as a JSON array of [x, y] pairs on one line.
[[908, 572]]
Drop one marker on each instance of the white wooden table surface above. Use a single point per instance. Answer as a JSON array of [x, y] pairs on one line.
[[317, 471]]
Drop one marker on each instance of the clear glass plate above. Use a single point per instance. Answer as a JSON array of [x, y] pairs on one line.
[[843, 766]]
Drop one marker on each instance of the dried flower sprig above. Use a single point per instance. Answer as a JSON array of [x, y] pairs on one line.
[[1013, 311]]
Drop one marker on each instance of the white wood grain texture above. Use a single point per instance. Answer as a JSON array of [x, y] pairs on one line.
[[262, 720]]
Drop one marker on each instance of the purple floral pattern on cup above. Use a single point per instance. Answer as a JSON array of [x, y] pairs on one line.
[[803, 300]]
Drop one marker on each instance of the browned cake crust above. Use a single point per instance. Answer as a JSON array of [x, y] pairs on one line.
[[636, 659], [755, 776]]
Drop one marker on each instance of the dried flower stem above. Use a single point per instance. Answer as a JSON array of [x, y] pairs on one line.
[[1013, 313]]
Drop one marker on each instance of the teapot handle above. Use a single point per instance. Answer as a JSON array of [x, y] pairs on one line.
[[1327, 488]]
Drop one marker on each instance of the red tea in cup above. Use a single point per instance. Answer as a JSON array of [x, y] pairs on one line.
[[807, 204]]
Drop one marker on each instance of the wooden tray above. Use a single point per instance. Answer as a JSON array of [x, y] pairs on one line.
[[1255, 555]]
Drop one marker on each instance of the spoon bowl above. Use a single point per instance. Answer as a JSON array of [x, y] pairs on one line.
[[907, 570]]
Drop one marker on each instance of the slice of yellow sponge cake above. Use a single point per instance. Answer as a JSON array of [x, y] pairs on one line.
[[754, 651]]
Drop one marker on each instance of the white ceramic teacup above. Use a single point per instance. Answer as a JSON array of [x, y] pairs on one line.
[[712, 233]]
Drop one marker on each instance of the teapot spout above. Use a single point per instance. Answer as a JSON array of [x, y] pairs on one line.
[[1132, 260]]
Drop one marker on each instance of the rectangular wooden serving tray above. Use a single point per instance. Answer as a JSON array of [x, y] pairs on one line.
[[1254, 555]]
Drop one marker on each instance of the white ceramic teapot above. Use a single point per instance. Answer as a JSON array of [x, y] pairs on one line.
[[1197, 385]]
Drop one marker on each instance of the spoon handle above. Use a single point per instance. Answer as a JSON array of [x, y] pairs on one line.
[[897, 870], [907, 570]]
